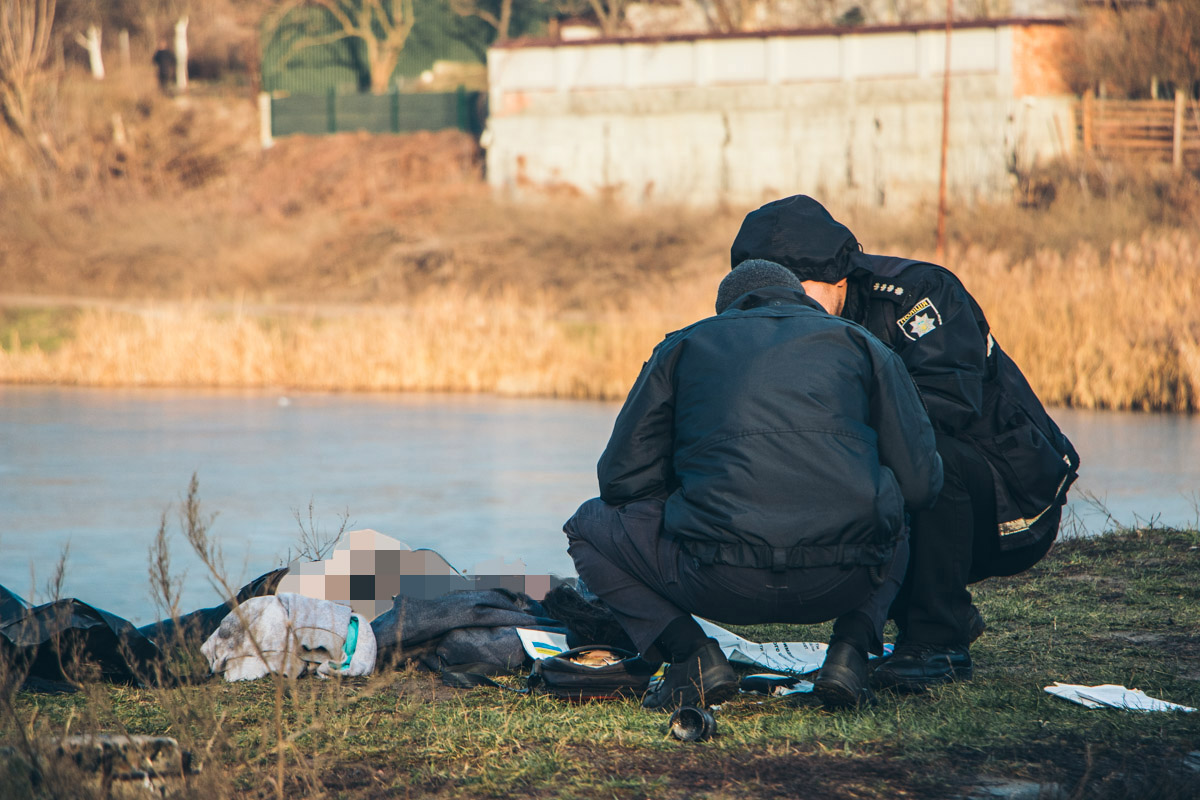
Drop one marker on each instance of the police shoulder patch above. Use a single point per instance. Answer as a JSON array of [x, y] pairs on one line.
[[921, 319]]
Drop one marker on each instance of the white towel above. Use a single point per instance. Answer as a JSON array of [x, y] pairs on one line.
[[290, 634]]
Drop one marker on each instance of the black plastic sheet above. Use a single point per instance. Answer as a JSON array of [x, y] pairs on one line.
[[69, 641], [55, 646], [199, 625]]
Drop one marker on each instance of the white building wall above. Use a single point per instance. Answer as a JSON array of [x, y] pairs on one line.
[[742, 120]]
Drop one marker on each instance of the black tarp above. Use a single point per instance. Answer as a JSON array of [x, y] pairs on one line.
[[69, 641], [57, 645], [199, 625]]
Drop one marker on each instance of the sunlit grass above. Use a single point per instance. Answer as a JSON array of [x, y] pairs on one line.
[[1120, 608]]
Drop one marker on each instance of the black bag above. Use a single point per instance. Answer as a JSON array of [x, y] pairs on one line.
[[592, 672]]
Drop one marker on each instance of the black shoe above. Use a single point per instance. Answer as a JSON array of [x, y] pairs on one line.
[[915, 667], [975, 628], [842, 681], [702, 679]]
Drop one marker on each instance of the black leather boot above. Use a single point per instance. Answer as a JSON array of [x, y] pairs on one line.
[[843, 679], [704, 678], [915, 667]]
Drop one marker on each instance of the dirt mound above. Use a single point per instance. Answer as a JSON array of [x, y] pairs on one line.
[[349, 171], [157, 197]]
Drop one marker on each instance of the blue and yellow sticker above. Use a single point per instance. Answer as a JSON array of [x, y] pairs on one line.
[[546, 649]]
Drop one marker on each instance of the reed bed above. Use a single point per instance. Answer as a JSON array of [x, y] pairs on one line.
[[507, 344], [1090, 329], [1117, 329]]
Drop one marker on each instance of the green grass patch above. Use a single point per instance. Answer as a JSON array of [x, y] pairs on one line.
[[44, 328], [1120, 608]]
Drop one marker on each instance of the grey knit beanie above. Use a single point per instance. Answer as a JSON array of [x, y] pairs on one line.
[[754, 273]]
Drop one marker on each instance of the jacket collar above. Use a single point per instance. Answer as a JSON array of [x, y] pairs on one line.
[[772, 296]]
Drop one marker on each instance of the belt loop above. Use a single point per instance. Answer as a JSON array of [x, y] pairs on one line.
[[778, 559]]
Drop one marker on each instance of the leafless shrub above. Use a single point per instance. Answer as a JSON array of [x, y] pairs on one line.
[[24, 43], [317, 542], [164, 586], [58, 576], [1130, 49]]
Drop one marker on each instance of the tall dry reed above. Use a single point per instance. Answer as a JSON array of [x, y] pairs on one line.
[[1117, 329], [449, 341]]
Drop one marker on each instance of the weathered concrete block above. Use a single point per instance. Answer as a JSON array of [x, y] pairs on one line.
[[112, 765]]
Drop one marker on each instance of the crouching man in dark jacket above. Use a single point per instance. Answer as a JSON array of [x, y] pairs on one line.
[[758, 472], [1007, 465]]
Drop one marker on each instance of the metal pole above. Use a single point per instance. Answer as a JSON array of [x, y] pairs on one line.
[[1177, 132], [940, 245]]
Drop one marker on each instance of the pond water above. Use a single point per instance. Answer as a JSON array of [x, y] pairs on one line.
[[474, 477]]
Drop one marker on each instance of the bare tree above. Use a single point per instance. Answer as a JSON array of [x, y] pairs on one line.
[[610, 14], [497, 14], [181, 52], [157, 17], [24, 43], [730, 16], [381, 25], [1129, 50], [83, 21], [91, 43]]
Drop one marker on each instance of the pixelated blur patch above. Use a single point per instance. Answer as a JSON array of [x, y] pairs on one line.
[[367, 569], [362, 587]]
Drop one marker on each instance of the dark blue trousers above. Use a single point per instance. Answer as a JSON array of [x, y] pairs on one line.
[[648, 580]]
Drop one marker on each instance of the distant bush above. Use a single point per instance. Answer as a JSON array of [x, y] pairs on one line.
[[1137, 50], [1064, 203]]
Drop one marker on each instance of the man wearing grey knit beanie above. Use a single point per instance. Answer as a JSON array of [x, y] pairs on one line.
[[758, 472]]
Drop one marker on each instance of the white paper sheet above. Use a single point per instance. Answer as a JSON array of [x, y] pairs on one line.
[[793, 658], [1070, 692], [540, 644], [796, 658], [1112, 696]]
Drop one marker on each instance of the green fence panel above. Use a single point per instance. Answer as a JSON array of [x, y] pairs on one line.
[[301, 114], [376, 113], [365, 112], [427, 112]]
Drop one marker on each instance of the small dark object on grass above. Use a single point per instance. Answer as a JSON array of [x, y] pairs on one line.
[[691, 724]]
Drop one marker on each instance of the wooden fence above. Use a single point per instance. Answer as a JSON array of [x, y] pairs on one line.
[[1151, 130]]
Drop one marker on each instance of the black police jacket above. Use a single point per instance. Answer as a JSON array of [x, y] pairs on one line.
[[972, 389], [778, 435]]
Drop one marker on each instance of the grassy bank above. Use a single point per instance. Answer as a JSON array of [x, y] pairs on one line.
[[1091, 329], [1120, 608]]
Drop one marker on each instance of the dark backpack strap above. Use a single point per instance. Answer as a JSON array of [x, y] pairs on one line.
[[457, 679]]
